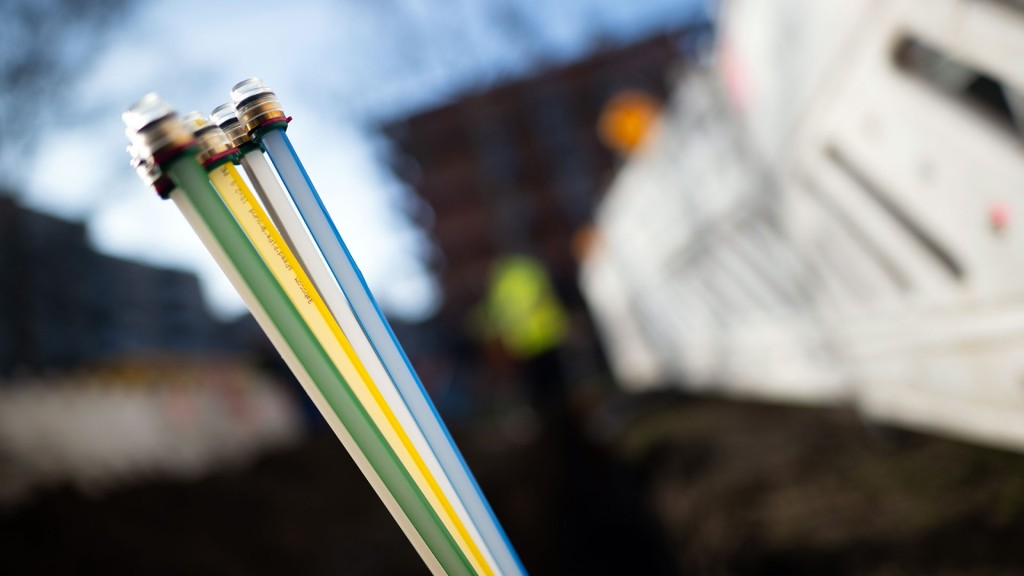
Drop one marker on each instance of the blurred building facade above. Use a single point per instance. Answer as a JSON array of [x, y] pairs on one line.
[[519, 167], [64, 305]]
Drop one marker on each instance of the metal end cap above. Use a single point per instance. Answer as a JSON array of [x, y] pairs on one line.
[[149, 172], [226, 117], [146, 111], [249, 88], [213, 142], [255, 103], [154, 129]]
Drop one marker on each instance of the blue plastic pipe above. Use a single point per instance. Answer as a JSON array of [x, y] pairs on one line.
[[275, 141]]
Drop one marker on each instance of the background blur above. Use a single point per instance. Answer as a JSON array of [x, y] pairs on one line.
[[699, 287]]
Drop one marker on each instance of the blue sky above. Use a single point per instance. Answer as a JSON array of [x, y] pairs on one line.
[[339, 68]]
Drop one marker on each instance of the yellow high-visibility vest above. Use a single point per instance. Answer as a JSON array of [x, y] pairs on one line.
[[522, 309]]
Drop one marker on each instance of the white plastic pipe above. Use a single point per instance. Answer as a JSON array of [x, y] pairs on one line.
[[369, 315]]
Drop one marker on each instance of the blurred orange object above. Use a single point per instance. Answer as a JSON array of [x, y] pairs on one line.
[[627, 119]]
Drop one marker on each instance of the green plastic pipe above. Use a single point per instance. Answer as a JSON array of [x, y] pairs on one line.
[[192, 181]]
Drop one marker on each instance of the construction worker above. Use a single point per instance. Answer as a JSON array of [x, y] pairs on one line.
[[523, 314]]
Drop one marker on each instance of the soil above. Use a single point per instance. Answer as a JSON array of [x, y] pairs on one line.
[[639, 485]]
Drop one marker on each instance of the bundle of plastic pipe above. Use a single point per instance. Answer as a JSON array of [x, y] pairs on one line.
[[282, 252]]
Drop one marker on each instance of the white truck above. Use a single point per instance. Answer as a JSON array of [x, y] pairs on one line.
[[832, 211]]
